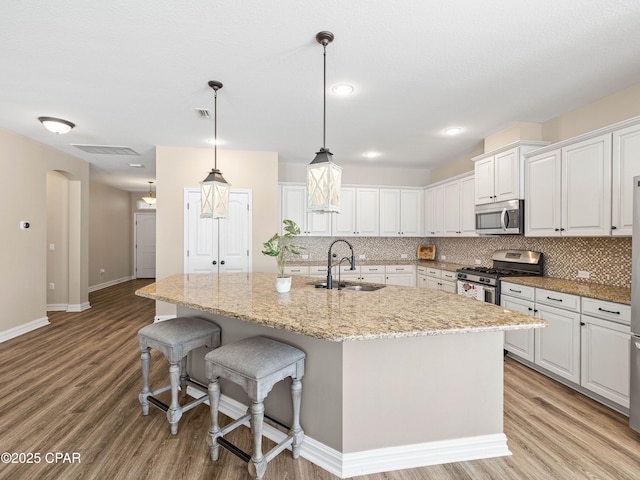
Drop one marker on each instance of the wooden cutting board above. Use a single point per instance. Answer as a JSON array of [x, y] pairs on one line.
[[426, 252]]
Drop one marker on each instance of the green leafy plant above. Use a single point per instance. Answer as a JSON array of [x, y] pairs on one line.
[[280, 246]]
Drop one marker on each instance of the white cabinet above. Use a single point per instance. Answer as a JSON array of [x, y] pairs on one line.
[[400, 212], [373, 273], [401, 275], [568, 190], [293, 206], [296, 270], [359, 213], [458, 216], [421, 279], [626, 165], [437, 279], [519, 298], [499, 174], [434, 210]]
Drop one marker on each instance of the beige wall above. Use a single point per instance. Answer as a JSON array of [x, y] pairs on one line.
[[178, 168], [110, 235], [58, 237], [24, 165], [513, 133], [458, 166]]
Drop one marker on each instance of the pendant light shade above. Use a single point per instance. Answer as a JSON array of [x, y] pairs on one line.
[[323, 176], [214, 190], [150, 199]]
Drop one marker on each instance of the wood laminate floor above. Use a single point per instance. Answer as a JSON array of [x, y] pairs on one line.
[[72, 387]]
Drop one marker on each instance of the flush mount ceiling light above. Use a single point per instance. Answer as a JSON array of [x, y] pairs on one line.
[[56, 125], [214, 190], [323, 176], [451, 131], [342, 89], [150, 199]]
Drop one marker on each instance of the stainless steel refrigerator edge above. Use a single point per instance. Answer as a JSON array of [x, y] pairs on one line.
[[634, 408]]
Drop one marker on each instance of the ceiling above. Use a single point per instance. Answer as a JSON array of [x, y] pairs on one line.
[[131, 72]]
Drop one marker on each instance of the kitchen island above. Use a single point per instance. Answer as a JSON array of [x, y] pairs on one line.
[[395, 378]]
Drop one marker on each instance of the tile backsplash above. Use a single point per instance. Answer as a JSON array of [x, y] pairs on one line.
[[607, 259]]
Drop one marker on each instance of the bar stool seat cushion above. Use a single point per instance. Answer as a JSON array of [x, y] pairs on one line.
[[175, 338], [255, 357]]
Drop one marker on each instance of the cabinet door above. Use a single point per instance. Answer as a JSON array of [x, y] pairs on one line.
[[484, 180], [626, 165], [467, 207], [433, 283], [449, 287], [507, 175], [373, 277], [542, 195], [319, 224], [404, 279], [293, 205], [411, 213], [422, 281], [367, 212], [433, 210], [586, 187], [519, 342], [451, 201], [557, 347], [389, 212], [344, 223], [605, 359]]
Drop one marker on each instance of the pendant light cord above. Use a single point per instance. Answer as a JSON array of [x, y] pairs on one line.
[[215, 128], [324, 98]]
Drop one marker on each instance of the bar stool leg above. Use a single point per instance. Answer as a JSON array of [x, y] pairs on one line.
[[258, 464], [214, 432], [183, 377], [145, 382], [175, 412], [296, 429]]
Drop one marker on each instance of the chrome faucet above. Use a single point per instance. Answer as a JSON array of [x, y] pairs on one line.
[[353, 261]]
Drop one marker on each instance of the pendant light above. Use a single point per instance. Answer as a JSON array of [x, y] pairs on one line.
[[214, 190], [150, 199], [324, 176]]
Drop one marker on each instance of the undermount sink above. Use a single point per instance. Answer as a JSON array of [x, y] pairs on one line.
[[364, 288]]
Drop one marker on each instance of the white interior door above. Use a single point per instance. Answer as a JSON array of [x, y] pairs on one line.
[[218, 245], [145, 245]]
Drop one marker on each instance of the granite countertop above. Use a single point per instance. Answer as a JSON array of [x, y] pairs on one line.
[[335, 315], [584, 289]]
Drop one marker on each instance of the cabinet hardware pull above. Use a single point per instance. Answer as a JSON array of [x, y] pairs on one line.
[[529, 308], [214, 262], [556, 229], [613, 227], [554, 299], [517, 291], [535, 311], [582, 324], [608, 311]]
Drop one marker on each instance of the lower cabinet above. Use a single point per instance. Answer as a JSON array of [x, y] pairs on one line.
[[586, 341], [404, 275], [436, 279]]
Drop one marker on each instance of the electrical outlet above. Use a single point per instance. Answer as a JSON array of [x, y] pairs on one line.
[[102, 271], [52, 286], [404, 255], [443, 257], [305, 257], [361, 257], [52, 247], [584, 274], [478, 262]]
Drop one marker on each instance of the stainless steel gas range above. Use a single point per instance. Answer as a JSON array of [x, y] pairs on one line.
[[483, 283]]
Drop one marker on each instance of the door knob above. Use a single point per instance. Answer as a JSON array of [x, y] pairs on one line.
[[215, 262], [221, 262]]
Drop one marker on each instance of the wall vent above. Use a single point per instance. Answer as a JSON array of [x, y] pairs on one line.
[[106, 149]]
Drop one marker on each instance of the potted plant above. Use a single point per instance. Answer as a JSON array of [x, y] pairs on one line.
[[280, 246]]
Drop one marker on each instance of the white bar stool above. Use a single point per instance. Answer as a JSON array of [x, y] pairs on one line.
[[256, 364], [175, 338]]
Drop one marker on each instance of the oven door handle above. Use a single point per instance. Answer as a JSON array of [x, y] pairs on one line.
[[504, 219]]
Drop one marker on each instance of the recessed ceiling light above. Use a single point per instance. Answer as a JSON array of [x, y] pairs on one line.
[[452, 131], [371, 154], [136, 165], [342, 89]]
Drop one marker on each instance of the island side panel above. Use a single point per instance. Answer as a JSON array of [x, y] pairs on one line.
[[321, 410], [413, 390]]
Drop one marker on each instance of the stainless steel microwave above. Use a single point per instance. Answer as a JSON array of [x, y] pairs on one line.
[[500, 218]]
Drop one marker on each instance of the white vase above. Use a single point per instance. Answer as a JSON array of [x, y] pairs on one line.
[[283, 284]]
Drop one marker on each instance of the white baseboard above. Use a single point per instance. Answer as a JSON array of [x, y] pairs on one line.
[[22, 329], [110, 283], [57, 307], [346, 465], [81, 307]]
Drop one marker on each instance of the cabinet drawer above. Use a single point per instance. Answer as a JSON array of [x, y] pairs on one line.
[[449, 276], [558, 299], [372, 269], [346, 268], [608, 310], [422, 270], [434, 272], [401, 269], [518, 291], [318, 270], [291, 270]]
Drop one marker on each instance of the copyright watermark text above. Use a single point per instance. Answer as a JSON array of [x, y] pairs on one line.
[[37, 457]]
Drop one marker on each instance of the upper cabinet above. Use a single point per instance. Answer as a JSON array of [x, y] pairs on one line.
[[568, 190], [401, 212], [359, 213], [626, 165], [433, 211], [499, 174], [293, 206], [450, 209]]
